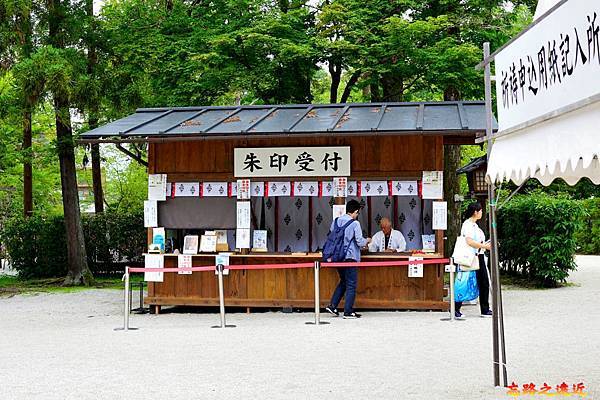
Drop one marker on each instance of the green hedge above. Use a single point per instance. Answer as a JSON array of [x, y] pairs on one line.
[[37, 245], [536, 237], [588, 234]]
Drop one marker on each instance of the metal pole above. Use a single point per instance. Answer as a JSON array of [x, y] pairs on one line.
[[492, 216], [317, 268], [126, 307], [221, 299], [451, 295]]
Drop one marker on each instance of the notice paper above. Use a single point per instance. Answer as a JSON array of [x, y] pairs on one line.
[[222, 259], [259, 242], [440, 215], [208, 243], [153, 261], [340, 187], [184, 261], [243, 189], [243, 215], [433, 185], [338, 210], [415, 270], [242, 238], [150, 214], [157, 187]]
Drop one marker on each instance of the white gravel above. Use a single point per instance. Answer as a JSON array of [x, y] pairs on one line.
[[62, 346]]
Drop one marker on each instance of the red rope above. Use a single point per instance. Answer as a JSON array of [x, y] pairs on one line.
[[385, 263], [298, 265]]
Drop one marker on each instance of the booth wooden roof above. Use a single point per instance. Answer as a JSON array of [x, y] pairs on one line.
[[445, 118]]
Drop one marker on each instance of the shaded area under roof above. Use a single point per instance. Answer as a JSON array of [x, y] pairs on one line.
[[473, 165], [446, 118]]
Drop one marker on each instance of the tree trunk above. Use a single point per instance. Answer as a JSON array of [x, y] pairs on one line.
[[393, 87], [93, 115], [351, 82], [78, 271], [27, 169], [336, 75], [452, 157]]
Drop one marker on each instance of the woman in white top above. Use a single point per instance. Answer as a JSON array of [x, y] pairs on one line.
[[476, 240]]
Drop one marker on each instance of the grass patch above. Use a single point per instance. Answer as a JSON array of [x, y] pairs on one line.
[[12, 285]]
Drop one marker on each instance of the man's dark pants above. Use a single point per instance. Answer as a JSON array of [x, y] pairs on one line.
[[347, 285]]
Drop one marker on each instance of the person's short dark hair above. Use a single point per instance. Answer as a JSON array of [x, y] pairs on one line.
[[472, 209], [352, 206]]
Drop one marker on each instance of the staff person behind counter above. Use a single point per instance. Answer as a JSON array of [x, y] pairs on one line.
[[387, 239]]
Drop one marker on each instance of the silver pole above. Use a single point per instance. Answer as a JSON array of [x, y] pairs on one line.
[[221, 299], [221, 296], [451, 295], [126, 308], [492, 217], [317, 269]]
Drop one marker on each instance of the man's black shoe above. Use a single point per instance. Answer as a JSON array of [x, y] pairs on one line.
[[352, 315], [332, 310]]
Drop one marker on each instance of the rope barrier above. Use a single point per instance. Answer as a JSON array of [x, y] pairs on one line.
[[296, 265], [385, 263]]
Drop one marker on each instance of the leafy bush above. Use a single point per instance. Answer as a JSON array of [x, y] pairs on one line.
[[588, 234], [37, 245], [536, 237]]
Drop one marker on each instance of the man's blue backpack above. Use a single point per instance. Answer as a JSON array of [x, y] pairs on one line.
[[334, 249]]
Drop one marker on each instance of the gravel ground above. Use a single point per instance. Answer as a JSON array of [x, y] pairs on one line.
[[62, 346]]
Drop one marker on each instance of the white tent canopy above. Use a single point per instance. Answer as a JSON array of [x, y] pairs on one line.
[[566, 147], [553, 132]]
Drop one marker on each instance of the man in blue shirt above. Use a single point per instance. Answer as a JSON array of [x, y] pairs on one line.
[[353, 241]]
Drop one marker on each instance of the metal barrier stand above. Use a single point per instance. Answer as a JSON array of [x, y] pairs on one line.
[[451, 295], [317, 269], [220, 268], [126, 307]]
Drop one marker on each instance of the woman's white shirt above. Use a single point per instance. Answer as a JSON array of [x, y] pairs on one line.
[[471, 230]]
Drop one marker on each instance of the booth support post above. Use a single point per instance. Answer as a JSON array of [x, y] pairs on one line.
[[497, 317]]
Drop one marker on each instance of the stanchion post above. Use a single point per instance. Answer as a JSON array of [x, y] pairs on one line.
[[451, 295], [219, 268], [126, 307], [317, 270]]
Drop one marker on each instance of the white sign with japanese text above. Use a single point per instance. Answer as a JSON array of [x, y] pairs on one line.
[[291, 161], [554, 64]]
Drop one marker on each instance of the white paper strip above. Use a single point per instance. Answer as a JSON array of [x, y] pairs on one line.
[[153, 261], [257, 189], [242, 189], [234, 190], [374, 188], [277, 189], [214, 189], [340, 187], [352, 188], [169, 187], [157, 187], [310, 189], [150, 214], [187, 189], [404, 188]]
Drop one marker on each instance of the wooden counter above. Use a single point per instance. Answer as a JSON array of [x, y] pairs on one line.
[[378, 287]]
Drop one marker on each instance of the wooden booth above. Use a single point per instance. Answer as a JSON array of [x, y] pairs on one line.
[[290, 156]]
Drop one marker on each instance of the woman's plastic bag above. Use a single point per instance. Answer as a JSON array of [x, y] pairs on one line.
[[465, 286]]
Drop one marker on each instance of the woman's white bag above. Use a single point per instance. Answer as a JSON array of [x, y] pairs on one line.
[[463, 255]]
